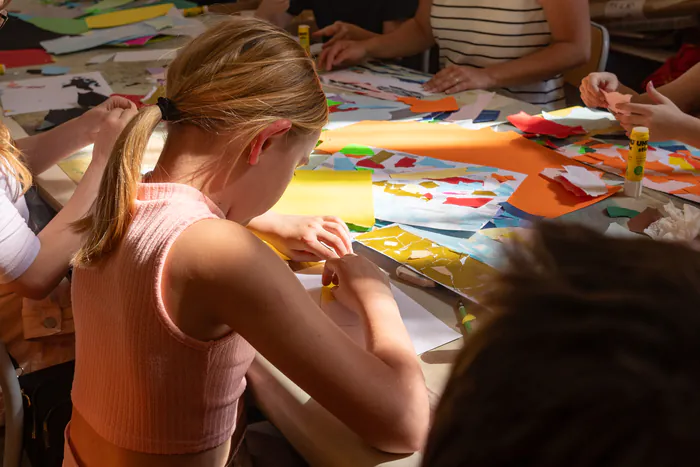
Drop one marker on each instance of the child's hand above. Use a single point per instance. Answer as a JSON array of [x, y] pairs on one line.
[[361, 284], [664, 119], [93, 119], [593, 84], [304, 238], [114, 122], [342, 53]]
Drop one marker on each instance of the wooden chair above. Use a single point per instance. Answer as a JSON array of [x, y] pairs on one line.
[[14, 410], [600, 46]]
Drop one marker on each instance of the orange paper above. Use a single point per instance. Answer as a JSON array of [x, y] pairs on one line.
[[420, 106], [587, 159], [657, 166], [506, 150]]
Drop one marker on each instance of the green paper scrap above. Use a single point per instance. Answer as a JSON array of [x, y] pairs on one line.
[[331, 103], [618, 211], [105, 5], [357, 228], [357, 150], [67, 26], [365, 168], [585, 150]]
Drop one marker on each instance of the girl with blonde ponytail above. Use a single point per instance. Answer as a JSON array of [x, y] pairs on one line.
[[173, 293]]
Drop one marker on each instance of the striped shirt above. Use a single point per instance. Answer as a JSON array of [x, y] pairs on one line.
[[481, 33]]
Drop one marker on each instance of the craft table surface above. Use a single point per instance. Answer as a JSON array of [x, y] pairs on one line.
[[316, 434]]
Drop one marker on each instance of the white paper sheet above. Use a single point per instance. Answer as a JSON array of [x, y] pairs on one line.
[[426, 331], [96, 38], [153, 55], [102, 58], [50, 93]]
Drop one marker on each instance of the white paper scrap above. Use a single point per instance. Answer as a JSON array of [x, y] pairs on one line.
[[146, 55]]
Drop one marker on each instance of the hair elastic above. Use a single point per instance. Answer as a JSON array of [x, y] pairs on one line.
[[168, 110]]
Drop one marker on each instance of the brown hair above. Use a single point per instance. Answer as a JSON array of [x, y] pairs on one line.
[[591, 358], [239, 76], [11, 164]]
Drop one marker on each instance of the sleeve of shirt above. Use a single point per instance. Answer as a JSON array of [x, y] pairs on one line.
[[19, 246], [297, 6], [399, 9]]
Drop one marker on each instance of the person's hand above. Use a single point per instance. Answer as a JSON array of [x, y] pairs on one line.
[[340, 31], [271, 8], [93, 119], [360, 283], [458, 78], [342, 53], [114, 122], [663, 118], [592, 88], [306, 238]]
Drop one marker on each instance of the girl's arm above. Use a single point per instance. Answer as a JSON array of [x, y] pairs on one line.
[[59, 241], [683, 91], [42, 151], [379, 393], [569, 22]]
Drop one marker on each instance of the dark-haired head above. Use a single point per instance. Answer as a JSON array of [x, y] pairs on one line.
[[591, 358]]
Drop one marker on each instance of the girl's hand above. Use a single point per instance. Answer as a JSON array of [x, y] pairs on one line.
[[456, 78], [342, 53], [664, 119], [361, 284], [592, 86], [113, 123], [93, 119], [304, 238]]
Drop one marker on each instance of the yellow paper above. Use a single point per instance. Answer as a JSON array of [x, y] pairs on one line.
[[680, 162], [455, 271], [132, 15], [75, 167], [344, 194], [436, 174]]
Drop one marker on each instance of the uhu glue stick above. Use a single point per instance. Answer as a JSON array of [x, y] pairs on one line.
[[636, 158], [305, 37]]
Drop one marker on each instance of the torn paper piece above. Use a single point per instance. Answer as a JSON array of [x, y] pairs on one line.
[[615, 98], [471, 111], [639, 223], [420, 254], [578, 180], [146, 55], [679, 224], [618, 231], [539, 126], [102, 58]]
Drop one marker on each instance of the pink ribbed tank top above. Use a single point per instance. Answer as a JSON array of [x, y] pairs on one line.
[[140, 382]]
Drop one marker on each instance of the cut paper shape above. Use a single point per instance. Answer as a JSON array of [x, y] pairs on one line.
[[69, 44], [487, 116], [146, 55], [370, 164], [347, 195], [614, 98], [357, 150], [105, 5], [161, 23], [406, 162], [680, 162], [381, 156], [54, 70], [434, 174], [618, 211], [68, 26], [503, 178], [469, 202], [578, 180], [136, 42], [591, 120], [124, 17], [540, 126], [51, 92], [504, 150], [425, 330], [657, 166], [437, 163], [102, 58], [343, 164], [471, 111], [25, 57], [618, 231], [419, 254], [447, 104], [639, 223]]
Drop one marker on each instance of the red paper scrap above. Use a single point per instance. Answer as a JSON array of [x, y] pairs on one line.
[[541, 126], [457, 180], [468, 202], [25, 57], [135, 98], [405, 163], [369, 164]]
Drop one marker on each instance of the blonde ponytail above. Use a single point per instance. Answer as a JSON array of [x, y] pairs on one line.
[[237, 78], [111, 216], [11, 164]]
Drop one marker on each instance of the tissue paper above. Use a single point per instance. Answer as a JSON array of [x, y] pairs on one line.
[[679, 224]]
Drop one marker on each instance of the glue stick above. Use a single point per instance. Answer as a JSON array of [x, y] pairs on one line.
[[636, 158], [195, 11], [304, 37]]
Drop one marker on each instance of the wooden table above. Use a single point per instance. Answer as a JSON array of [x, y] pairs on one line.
[[316, 434]]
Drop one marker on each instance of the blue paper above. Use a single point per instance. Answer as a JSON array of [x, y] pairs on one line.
[[96, 38], [51, 70], [487, 116], [430, 162], [343, 164]]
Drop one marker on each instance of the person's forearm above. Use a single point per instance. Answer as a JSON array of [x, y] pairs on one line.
[[42, 151], [543, 64], [409, 39], [59, 240], [689, 133]]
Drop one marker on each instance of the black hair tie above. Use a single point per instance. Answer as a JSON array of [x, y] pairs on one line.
[[168, 110]]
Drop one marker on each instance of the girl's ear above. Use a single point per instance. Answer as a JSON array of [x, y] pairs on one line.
[[263, 139]]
